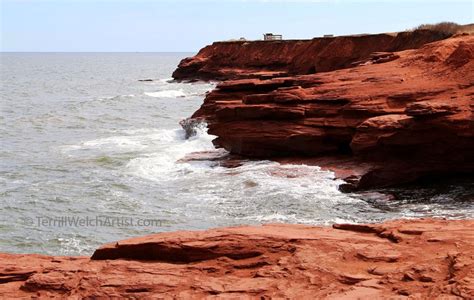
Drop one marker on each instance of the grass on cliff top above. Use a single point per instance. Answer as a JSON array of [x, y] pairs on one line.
[[446, 28]]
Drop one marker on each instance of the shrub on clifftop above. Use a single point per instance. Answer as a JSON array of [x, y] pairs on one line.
[[447, 28]]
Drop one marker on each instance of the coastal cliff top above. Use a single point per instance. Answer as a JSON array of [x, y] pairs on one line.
[[226, 60], [457, 29]]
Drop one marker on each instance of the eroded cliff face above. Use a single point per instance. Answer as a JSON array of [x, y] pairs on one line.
[[395, 117], [266, 59], [283, 261]]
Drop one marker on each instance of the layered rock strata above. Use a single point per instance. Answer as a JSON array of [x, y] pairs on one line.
[[420, 259], [267, 59], [394, 118]]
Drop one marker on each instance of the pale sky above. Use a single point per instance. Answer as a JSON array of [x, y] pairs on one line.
[[153, 26]]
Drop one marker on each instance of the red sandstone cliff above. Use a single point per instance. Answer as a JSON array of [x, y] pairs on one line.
[[241, 59], [395, 117], [423, 259]]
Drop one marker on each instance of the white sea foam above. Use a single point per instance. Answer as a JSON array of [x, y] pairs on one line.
[[131, 140], [118, 97], [173, 146], [73, 245], [105, 144], [163, 165], [167, 94], [255, 192], [265, 191]]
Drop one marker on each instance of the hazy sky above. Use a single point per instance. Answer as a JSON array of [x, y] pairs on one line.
[[145, 25]]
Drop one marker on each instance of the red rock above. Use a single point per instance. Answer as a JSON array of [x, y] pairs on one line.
[[257, 98], [428, 109], [402, 119], [275, 260], [218, 157], [269, 59]]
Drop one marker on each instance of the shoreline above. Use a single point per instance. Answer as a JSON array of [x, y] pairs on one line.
[[382, 122], [272, 260], [374, 118]]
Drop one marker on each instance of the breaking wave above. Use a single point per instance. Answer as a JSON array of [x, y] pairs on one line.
[[167, 94]]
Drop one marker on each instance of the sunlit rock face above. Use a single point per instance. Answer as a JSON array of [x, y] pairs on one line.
[[347, 261], [396, 119], [267, 59]]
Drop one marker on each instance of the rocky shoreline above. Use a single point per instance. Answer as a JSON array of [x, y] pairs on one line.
[[364, 107], [391, 118], [419, 259]]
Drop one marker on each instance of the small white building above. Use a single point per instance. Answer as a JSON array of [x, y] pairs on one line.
[[272, 37]]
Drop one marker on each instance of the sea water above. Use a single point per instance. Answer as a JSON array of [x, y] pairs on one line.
[[90, 154]]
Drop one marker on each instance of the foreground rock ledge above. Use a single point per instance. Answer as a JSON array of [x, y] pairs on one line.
[[425, 258]]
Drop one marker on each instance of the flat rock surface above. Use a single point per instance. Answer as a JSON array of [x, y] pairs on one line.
[[420, 259]]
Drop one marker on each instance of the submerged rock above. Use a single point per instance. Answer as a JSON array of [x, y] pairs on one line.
[[218, 157], [192, 125]]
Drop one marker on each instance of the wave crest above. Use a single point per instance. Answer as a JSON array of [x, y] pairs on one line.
[[167, 94]]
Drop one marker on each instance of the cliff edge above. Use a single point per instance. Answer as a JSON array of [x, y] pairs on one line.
[[391, 118], [266, 59]]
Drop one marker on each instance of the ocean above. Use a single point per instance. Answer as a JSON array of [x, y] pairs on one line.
[[90, 154]]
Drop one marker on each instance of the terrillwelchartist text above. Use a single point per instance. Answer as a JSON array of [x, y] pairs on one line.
[[97, 221]]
